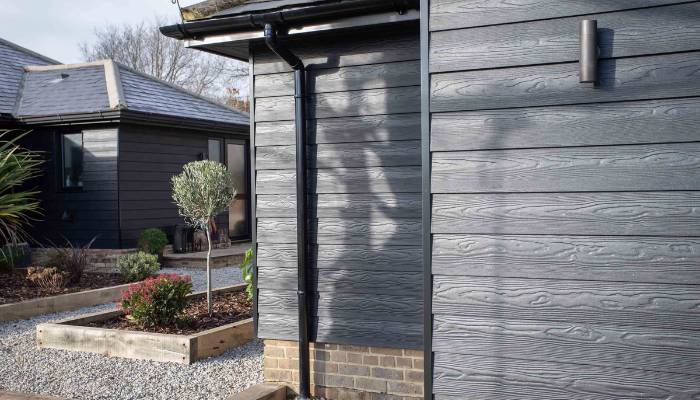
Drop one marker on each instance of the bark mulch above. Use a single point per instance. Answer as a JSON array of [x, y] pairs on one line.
[[228, 307], [15, 287]]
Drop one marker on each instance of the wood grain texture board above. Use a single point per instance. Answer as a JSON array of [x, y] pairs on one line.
[[623, 213], [356, 331], [326, 305], [585, 302], [342, 104], [347, 257], [333, 51], [639, 122], [634, 78], [371, 128], [451, 14], [373, 76], [366, 282], [343, 180], [342, 155], [374, 231], [668, 29], [657, 349], [600, 258], [606, 168], [487, 378], [343, 205]]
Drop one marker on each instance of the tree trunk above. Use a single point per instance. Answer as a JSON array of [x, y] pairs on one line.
[[208, 270]]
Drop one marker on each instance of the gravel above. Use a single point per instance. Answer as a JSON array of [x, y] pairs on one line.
[[76, 375]]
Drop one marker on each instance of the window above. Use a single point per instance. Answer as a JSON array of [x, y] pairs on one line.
[[215, 150], [72, 158]]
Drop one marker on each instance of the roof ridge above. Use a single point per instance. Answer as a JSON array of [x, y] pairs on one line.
[[115, 90], [26, 50], [181, 89], [37, 68]]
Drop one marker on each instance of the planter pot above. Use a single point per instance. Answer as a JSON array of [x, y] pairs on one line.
[[185, 349]]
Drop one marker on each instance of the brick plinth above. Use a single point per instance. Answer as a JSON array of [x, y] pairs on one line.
[[341, 372]]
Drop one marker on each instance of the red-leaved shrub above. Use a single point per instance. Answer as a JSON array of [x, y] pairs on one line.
[[157, 301]]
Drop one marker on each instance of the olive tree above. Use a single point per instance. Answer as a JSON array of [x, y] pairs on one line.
[[203, 190]]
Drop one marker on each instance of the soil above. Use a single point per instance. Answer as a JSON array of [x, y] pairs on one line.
[[228, 308], [15, 287]]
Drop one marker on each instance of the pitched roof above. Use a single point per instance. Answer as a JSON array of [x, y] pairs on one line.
[[35, 86], [107, 85], [12, 60]]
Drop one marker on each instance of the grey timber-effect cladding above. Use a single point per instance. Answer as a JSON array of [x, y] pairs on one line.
[[565, 218], [364, 181]]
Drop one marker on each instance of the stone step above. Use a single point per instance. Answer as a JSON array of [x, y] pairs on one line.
[[263, 391]]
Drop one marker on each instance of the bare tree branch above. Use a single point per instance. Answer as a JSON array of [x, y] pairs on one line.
[[143, 48]]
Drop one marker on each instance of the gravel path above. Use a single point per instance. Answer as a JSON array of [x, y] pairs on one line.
[[75, 375]]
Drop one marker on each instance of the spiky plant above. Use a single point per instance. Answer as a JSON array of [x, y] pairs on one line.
[[18, 205], [203, 190]]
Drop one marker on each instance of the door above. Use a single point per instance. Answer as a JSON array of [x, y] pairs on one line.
[[239, 211]]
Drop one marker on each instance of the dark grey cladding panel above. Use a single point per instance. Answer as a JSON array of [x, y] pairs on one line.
[[565, 252], [620, 34], [364, 176], [73, 90], [451, 14], [488, 377], [146, 94], [13, 59]]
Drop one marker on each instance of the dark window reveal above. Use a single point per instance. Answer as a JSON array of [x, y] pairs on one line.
[[72, 154]]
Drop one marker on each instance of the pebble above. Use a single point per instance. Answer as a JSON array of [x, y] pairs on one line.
[[76, 375]]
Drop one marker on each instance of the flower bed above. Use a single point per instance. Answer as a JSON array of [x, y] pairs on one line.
[[16, 288], [35, 301], [110, 334]]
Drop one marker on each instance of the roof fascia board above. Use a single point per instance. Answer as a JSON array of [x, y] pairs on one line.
[[344, 23]]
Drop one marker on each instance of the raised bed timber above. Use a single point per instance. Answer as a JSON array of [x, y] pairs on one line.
[[62, 302], [68, 334]]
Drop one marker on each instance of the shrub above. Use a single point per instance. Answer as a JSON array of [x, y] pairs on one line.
[[156, 301], [137, 266], [18, 204], [247, 272], [11, 257], [72, 259], [152, 241], [48, 278]]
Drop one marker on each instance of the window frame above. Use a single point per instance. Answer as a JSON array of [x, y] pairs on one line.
[[61, 161]]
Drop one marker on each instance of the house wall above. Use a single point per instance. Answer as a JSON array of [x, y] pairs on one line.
[[92, 211], [364, 207], [565, 224], [148, 157]]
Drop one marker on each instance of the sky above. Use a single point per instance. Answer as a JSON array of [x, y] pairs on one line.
[[55, 28]]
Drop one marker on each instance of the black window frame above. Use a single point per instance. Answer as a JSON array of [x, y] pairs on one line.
[[61, 161]]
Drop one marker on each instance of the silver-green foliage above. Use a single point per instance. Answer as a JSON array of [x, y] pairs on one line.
[[138, 266], [203, 190]]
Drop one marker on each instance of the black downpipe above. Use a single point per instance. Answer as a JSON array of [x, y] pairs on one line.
[[300, 123]]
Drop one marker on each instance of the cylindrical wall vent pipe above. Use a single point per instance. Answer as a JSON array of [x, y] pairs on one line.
[[589, 51]]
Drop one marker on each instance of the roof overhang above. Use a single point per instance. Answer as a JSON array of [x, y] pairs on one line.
[[231, 36], [132, 117]]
